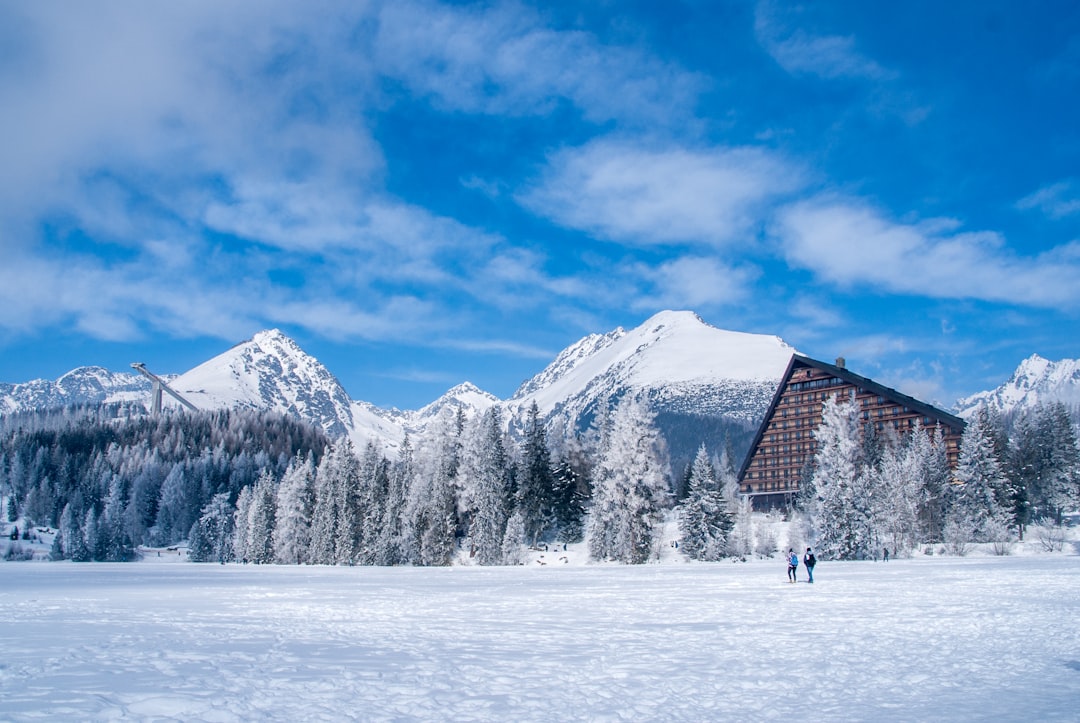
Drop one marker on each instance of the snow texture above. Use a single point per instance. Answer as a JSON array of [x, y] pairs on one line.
[[930, 638]]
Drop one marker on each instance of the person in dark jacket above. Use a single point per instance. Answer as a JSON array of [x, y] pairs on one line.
[[809, 560]]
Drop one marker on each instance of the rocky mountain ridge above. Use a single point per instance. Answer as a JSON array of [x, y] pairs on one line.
[[1036, 380]]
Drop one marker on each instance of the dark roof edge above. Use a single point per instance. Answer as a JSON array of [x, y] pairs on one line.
[[768, 415]]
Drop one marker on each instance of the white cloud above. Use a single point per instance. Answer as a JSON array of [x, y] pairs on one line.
[[164, 132], [1057, 200], [502, 60], [694, 282], [799, 51], [623, 191], [847, 242]]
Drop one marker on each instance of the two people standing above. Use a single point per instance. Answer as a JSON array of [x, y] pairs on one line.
[[793, 563]]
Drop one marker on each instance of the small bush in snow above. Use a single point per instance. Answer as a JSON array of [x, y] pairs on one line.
[[997, 532], [1051, 537], [17, 553], [958, 534], [765, 541]]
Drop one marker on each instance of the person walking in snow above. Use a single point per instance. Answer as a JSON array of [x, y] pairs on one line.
[[792, 564], [809, 560]]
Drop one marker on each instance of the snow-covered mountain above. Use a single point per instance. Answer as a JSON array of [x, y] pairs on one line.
[[675, 358], [704, 382], [85, 385], [1035, 380], [270, 371]]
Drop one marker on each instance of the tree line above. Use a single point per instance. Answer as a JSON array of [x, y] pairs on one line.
[[265, 488], [870, 491]]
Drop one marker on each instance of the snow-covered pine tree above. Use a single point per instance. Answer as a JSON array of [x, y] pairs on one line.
[[174, 518], [631, 487], [211, 537], [390, 548], [536, 479], [374, 479], [1024, 469], [895, 499], [260, 519], [513, 539], [346, 484], [118, 542], [488, 474], [295, 505], [975, 508], [241, 523], [1061, 484], [324, 514], [704, 519], [926, 453], [569, 497], [742, 535], [840, 510], [431, 504], [96, 543]]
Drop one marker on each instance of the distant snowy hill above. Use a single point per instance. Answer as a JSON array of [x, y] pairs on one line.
[[85, 385], [705, 384], [1035, 380]]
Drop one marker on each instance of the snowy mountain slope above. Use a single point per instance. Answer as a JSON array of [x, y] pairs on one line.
[[85, 385], [704, 383], [1035, 380], [270, 371], [672, 351]]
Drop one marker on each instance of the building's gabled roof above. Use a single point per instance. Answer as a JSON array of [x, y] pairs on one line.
[[799, 361]]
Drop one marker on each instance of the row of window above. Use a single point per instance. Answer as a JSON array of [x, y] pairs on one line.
[[788, 436], [785, 473], [816, 384]]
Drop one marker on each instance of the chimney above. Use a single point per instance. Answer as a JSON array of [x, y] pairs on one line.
[[840, 362]]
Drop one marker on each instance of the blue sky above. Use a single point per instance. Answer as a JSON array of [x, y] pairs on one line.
[[423, 193]]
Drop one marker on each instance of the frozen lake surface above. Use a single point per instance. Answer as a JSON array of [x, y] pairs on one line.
[[924, 639]]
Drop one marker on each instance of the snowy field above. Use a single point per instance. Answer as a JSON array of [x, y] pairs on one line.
[[978, 638]]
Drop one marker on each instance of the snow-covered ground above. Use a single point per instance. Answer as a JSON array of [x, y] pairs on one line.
[[931, 638]]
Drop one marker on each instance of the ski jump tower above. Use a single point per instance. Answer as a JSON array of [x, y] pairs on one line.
[[159, 386]]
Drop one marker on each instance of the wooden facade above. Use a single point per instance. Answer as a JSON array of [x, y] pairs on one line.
[[785, 443]]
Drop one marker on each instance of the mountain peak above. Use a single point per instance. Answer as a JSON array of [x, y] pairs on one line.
[[1035, 380], [271, 335], [269, 371], [674, 318], [465, 396]]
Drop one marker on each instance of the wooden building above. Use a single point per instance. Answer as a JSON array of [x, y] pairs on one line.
[[785, 442]]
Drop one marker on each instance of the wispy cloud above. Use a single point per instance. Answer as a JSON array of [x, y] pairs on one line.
[[797, 50], [503, 60], [638, 193], [498, 347], [847, 242], [695, 282], [1057, 200]]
